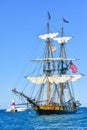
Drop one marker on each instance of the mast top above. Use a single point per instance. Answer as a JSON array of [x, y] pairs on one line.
[[48, 25]]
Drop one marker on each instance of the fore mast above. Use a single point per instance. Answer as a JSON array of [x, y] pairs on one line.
[[47, 65]]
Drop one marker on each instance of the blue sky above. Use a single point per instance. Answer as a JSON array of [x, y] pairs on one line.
[[20, 23]]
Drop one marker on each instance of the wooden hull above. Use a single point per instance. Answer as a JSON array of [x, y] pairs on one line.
[[48, 109], [49, 112]]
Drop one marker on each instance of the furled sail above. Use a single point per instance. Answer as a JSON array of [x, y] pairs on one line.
[[56, 59], [62, 39], [54, 78], [48, 35]]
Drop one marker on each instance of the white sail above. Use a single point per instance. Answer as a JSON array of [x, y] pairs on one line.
[[76, 77], [37, 80], [54, 79], [62, 39], [56, 59], [48, 35], [58, 79]]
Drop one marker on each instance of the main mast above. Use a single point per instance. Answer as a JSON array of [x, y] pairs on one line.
[[63, 69]]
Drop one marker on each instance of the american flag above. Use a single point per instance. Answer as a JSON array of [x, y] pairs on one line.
[[72, 67]]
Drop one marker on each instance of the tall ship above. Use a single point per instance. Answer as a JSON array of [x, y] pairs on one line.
[[52, 90]]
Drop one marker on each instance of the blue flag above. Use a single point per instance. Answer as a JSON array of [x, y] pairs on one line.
[[64, 20]]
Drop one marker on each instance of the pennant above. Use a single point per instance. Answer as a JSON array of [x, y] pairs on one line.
[[72, 67], [64, 20]]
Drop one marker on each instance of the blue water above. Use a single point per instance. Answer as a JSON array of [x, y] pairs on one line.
[[28, 120]]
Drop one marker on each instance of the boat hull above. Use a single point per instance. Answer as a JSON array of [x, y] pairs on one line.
[[49, 112]]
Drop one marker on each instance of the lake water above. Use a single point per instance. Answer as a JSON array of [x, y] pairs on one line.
[[28, 120]]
